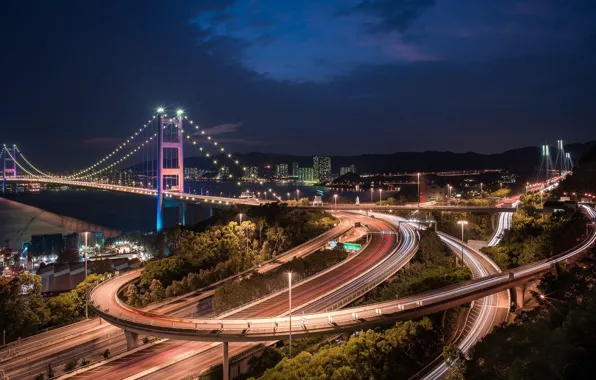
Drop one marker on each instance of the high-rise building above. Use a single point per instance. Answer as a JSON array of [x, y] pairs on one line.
[[295, 169], [306, 175], [347, 169], [252, 172], [191, 173], [282, 171], [224, 172], [322, 168]]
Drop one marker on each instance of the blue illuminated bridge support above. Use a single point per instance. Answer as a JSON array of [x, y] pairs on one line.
[[170, 142]]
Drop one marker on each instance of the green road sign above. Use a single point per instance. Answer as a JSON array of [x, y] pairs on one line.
[[352, 246]]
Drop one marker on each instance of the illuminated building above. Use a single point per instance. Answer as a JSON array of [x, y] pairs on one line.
[[306, 175], [322, 168], [282, 171]]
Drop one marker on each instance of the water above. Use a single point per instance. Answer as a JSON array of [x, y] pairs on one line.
[[134, 212]]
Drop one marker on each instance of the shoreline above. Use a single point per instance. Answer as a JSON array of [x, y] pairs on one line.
[[19, 221]]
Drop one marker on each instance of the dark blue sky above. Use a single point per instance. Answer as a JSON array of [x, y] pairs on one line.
[[303, 77]]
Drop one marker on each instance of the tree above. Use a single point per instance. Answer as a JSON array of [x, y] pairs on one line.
[[157, 291], [501, 193], [132, 295]]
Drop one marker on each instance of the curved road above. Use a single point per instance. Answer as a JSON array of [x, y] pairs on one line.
[[380, 249], [266, 327]]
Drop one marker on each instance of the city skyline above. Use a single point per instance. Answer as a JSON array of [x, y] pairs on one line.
[[418, 81]]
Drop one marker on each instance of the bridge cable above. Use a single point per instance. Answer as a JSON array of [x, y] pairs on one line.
[[115, 151]]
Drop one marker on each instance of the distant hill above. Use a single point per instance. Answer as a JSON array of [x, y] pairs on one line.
[[583, 179], [522, 161]]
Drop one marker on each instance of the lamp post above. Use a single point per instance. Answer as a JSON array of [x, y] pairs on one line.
[[86, 233], [481, 188], [335, 199], [418, 190], [372, 195], [240, 216], [463, 223], [380, 195], [290, 302], [297, 194], [527, 184]]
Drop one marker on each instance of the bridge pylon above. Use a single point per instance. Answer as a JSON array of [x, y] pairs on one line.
[[11, 168], [170, 165]]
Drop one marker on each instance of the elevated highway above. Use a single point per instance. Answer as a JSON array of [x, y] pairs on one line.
[[30, 356], [382, 247], [265, 328]]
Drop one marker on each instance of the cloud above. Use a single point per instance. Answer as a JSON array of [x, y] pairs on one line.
[[391, 15], [220, 129]]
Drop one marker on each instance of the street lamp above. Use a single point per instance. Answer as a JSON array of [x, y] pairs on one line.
[[290, 302], [481, 188], [240, 216], [372, 195], [297, 194], [335, 199], [418, 190], [463, 223], [86, 233], [380, 195]]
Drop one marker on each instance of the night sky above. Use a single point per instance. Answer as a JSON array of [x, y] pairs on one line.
[[302, 77]]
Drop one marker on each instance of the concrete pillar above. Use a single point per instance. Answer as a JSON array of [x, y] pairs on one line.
[[211, 212], [226, 362], [182, 213], [132, 340], [519, 296]]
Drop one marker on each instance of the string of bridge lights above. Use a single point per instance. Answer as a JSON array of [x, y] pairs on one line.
[[30, 164], [115, 151], [216, 144], [19, 165], [130, 154]]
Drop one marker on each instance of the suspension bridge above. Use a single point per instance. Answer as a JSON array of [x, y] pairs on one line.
[[150, 162]]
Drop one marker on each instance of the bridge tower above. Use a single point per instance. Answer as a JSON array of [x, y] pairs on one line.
[[170, 165], [561, 158], [9, 165]]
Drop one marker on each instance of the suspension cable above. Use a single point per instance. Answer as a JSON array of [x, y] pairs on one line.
[[30, 164], [115, 151]]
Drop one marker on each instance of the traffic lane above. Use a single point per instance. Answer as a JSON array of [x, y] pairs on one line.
[[306, 291], [207, 359], [135, 363], [144, 362], [39, 341], [397, 260], [106, 299]]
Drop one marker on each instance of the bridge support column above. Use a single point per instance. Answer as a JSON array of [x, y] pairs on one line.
[[132, 340], [182, 213], [519, 296], [226, 362]]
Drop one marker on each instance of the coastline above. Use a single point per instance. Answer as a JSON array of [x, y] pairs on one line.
[[18, 221]]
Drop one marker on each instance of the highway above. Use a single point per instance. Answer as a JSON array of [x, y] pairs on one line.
[[267, 328], [380, 247], [88, 339], [504, 224]]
